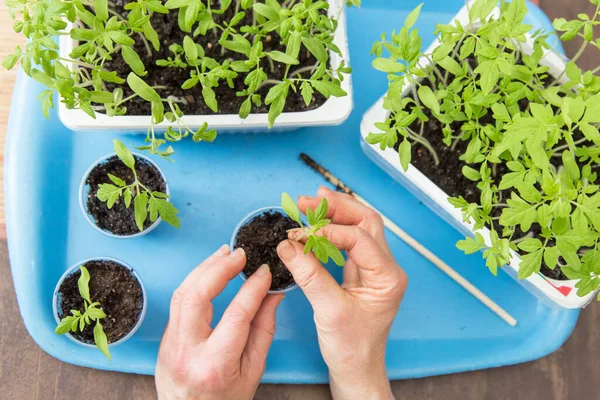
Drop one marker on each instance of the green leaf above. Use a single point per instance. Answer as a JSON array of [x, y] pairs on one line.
[[210, 98], [117, 181], [127, 196], [412, 17], [450, 65], [133, 60], [165, 209], [101, 8], [471, 174], [328, 89], [333, 252], [307, 92], [191, 51], [101, 97], [124, 154], [470, 245], [570, 165], [290, 208], [388, 65], [530, 264], [427, 96], [266, 11], [141, 88], [405, 155], [551, 255], [121, 38], [275, 110], [110, 76], [64, 325], [321, 210], [283, 58], [140, 207], [315, 46], [530, 245], [519, 212], [101, 340], [83, 283], [108, 194]]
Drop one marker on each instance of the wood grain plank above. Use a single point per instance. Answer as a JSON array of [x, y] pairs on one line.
[[8, 40]]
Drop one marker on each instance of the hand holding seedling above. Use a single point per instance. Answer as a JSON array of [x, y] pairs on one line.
[[353, 320], [197, 362], [92, 313], [146, 203], [319, 245]]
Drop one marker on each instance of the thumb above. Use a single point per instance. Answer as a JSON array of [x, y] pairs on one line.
[[317, 284]]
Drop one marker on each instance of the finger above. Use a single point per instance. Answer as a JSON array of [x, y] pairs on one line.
[[262, 332], [199, 289], [375, 267], [177, 296], [351, 276], [317, 284], [346, 210], [231, 334]]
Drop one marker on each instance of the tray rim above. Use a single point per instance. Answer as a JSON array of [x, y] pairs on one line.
[[15, 210]]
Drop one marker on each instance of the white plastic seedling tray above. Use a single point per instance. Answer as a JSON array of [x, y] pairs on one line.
[[333, 112], [552, 292]]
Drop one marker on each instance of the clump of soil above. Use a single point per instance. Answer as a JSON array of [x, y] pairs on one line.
[[115, 288], [259, 238], [169, 32], [120, 220], [448, 174]]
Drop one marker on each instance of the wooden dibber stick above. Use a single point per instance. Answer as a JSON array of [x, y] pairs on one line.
[[465, 284]]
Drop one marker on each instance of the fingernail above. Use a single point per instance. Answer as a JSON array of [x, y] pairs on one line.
[[286, 250], [237, 253], [305, 198], [294, 234], [223, 250], [263, 270]]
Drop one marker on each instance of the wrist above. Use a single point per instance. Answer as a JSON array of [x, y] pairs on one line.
[[365, 383]]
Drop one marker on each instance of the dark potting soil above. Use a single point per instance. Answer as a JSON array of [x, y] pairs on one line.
[[259, 238], [169, 32], [120, 220], [448, 174], [118, 292]]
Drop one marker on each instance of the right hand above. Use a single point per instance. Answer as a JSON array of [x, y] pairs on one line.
[[353, 320]]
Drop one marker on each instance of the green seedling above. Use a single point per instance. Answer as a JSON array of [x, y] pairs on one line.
[[146, 203], [322, 248], [104, 32], [93, 313], [506, 109]]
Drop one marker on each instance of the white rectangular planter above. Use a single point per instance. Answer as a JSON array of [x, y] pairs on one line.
[[333, 112], [552, 292]]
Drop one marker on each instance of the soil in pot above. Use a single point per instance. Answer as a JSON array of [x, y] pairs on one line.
[[115, 288], [169, 32], [448, 174], [259, 238], [120, 220]]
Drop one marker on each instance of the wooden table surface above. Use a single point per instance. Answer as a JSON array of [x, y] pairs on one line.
[[26, 372]]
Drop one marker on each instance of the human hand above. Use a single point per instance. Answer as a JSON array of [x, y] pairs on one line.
[[195, 362], [353, 320]]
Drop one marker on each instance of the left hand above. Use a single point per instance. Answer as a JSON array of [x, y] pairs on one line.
[[195, 362]]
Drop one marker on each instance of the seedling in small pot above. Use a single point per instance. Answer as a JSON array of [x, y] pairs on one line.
[[147, 204], [514, 143], [99, 303], [322, 248], [259, 234], [92, 315]]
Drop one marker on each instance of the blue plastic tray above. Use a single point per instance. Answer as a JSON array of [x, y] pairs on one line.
[[440, 328]]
